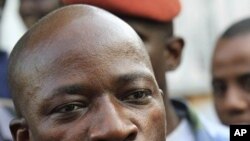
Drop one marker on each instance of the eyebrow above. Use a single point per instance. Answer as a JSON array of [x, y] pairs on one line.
[[71, 89], [242, 76], [79, 89], [135, 76]]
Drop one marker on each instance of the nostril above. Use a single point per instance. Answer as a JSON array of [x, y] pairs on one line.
[[131, 137]]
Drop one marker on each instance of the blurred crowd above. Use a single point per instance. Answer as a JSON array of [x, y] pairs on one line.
[[154, 24]]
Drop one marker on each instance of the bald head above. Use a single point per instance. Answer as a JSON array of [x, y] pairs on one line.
[[82, 31], [82, 74]]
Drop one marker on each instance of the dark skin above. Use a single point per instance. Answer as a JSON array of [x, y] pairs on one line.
[[2, 2], [33, 10], [165, 54], [231, 79], [99, 86]]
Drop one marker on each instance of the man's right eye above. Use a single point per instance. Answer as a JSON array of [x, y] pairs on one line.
[[70, 108], [219, 88], [69, 111]]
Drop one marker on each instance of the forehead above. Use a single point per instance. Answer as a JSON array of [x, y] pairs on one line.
[[91, 59], [232, 54], [92, 72], [83, 41]]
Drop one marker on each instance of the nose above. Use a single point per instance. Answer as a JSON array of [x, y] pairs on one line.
[[235, 102], [112, 124]]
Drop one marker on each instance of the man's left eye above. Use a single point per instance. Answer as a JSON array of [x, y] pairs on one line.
[[138, 96]]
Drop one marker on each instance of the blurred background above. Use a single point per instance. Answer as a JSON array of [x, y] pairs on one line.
[[199, 23]]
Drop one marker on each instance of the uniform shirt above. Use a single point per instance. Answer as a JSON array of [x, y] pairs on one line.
[[182, 130], [4, 91]]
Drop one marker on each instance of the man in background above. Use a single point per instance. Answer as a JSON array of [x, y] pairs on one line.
[[231, 74], [33, 10], [153, 22]]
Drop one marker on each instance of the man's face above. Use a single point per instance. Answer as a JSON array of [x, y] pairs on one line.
[[231, 79], [33, 10], [92, 87]]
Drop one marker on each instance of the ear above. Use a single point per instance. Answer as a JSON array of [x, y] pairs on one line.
[[174, 48], [19, 129]]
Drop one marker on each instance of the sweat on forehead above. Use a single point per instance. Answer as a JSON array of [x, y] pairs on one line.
[[67, 31]]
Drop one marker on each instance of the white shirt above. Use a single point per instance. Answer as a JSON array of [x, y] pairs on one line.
[[182, 132]]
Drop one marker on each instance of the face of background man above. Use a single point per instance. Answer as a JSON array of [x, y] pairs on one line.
[[33, 10], [88, 81], [231, 79]]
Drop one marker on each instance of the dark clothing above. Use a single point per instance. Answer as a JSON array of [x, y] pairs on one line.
[[4, 91]]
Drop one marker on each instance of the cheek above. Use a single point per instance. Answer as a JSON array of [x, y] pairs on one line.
[[154, 124], [218, 104], [157, 116], [219, 107], [48, 133], [67, 132], [248, 99]]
